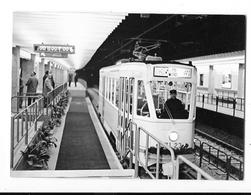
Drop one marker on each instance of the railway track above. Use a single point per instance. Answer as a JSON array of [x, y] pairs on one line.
[[221, 159]]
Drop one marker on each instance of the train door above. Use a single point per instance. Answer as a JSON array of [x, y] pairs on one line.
[[125, 109]]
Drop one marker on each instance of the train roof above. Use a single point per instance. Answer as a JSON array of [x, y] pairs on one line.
[[140, 63]]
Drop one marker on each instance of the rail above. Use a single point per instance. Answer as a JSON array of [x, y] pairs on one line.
[[227, 164], [53, 96], [200, 173], [22, 101], [22, 122], [222, 101], [132, 146]]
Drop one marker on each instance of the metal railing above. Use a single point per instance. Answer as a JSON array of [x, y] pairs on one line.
[[21, 101], [222, 101], [132, 146], [53, 96], [22, 122], [219, 159], [159, 144], [200, 173]]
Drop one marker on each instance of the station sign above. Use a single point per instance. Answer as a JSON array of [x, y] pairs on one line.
[[53, 55], [47, 48]]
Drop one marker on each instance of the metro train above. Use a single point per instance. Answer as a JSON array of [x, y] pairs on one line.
[[136, 92]]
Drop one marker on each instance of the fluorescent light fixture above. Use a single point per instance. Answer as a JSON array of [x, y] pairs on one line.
[[86, 31]]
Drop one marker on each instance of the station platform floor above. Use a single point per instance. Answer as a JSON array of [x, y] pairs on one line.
[[223, 110], [83, 148]]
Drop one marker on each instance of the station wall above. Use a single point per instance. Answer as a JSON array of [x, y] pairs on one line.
[[220, 74]]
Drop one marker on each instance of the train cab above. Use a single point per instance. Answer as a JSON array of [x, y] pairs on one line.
[[152, 95], [138, 92]]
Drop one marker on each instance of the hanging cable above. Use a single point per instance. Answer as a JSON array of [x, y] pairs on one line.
[[150, 29]]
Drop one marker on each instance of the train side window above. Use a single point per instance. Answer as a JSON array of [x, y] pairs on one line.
[[112, 90], [142, 104], [117, 93], [106, 87], [126, 94], [109, 98], [131, 95], [103, 85], [201, 79]]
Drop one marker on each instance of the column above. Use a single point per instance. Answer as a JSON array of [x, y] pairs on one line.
[[28, 68], [46, 67], [15, 75], [211, 78], [41, 74], [241, 81]]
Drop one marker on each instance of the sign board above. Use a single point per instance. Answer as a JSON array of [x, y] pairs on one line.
[[46, 48], [173, 72], [53, 55]]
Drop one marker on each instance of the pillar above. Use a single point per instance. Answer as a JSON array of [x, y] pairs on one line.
[[211, 78], [28, 68], [40, 75], [15, 76], [241, 81], [46, 67]]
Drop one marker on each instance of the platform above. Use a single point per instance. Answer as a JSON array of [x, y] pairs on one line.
[[83, 148]]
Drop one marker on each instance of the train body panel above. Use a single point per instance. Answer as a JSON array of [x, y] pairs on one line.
[[137, 91]]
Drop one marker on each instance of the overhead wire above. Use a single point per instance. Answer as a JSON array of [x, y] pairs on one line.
[[150, 29]]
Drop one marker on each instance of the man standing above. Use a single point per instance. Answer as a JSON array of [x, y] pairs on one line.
[[76, 79], [47, 88], [70, 78], [174, 108], [32, 84]]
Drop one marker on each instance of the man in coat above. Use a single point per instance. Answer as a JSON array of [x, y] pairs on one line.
[[32, 84]]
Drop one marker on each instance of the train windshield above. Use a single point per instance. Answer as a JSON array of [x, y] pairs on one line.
[[171, 99]]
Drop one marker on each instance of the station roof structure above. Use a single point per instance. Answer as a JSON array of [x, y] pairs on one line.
[[86, 31], [180, 36], [102, 38]]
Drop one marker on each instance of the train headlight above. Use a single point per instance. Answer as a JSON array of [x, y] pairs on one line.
[[173, 136]]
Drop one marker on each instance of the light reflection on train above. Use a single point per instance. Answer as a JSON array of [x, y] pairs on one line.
[[137, 92]]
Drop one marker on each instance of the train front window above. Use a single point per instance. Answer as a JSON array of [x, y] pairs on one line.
[[142, 104], [171, 98]]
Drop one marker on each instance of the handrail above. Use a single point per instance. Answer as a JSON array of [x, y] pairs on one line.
[[233, 103], [158, 145], [200, 172], [22, 101], [22, 122], [53, 96]]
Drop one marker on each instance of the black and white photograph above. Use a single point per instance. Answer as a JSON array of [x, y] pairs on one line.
[[122, 100]]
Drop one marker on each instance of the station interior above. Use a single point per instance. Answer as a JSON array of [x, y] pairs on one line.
[[49, 41]]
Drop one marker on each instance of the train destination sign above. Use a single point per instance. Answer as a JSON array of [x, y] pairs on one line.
[[46, 48], [172, 72], [53, 55]]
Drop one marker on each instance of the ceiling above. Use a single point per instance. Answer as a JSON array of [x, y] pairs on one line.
[[86, 31], [180, 35]]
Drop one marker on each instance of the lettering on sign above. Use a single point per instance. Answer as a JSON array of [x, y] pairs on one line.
[[66, 49], [54, 55]]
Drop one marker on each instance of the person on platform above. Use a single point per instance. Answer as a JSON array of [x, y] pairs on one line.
[[52, 80], [76, 79], [32, 84], [70, 78], [173, 107], [47, 88]]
